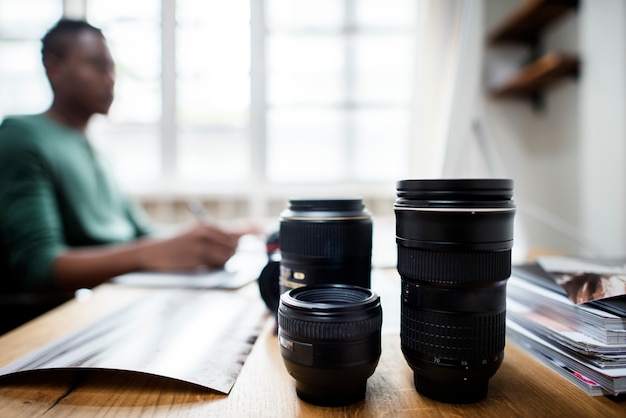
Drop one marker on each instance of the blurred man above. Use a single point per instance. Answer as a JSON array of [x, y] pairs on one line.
[[63, 223]]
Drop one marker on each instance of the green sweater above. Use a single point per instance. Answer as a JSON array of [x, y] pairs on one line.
[[54, 194]]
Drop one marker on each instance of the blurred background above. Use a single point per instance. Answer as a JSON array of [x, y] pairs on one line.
[[243, 104]]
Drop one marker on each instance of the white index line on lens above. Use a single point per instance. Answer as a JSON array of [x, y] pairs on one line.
[[457, 209]]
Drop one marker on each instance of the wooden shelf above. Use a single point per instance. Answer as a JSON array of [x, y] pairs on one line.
[[529, 20], [532, 79], [526, 26]]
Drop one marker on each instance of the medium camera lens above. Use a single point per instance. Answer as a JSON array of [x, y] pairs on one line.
[[330, 341], [325, 241], [454, 241]]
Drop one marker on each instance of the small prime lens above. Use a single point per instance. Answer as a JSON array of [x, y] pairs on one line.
[[454, 241], [330, 341], [325, 241]]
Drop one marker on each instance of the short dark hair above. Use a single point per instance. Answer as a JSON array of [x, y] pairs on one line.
[[57, 40]]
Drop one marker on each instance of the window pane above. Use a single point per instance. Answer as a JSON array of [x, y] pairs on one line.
[[210, 102], [339, 85], [305, 14], [120, 10], [213, 90], [306, 146], [389, 13], [305, 70], [28, 18], [130, 150], [213, 156], [381, 143], [384, 65], [129, 136], [23, 84], [134, 41], [213, 76]]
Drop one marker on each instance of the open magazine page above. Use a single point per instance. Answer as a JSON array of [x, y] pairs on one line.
[[584, 280], [599, 324], [200, 337]]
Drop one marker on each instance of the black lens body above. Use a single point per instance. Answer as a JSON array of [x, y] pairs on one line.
[[454, 242], [330, 341], [268, 279], [325, 241]]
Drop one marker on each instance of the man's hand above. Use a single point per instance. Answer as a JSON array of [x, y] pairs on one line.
[[201, 246]]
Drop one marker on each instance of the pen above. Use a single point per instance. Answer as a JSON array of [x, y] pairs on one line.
[[197, 209]]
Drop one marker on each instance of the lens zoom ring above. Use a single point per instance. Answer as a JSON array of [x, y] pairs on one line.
[[330, 330], [448, 336], [454, 267], [326, 239]]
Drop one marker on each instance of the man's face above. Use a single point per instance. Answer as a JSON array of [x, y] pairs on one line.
[[85, 77]]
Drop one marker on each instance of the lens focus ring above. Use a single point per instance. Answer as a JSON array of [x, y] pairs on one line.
[[454, 267], [330, 312], [451, 336], [328, 239], [306, 329]]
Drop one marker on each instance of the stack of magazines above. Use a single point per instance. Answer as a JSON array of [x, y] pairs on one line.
[[570, 314]]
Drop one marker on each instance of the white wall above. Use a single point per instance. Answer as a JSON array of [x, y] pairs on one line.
[[567, 159], [603, 107]]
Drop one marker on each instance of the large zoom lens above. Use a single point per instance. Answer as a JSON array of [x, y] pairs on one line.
[[454, 257], [330, 342], [325, 241]]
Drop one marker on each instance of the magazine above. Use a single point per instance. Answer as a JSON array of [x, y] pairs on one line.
[[613, 380], [577, 379], [555, 331], [535, 274], [199, 337], [596, 323], [585, 280]]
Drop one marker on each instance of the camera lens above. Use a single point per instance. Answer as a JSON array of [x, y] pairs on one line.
[[268, 278], [325, 241], [330, 341], [454, 241]]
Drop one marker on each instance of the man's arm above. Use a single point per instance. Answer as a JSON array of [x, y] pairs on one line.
[[201, 246], [39, 259]]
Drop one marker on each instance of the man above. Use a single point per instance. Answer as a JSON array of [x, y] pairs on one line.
[[63, 224]]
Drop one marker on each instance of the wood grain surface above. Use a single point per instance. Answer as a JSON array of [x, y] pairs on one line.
[[521, 388]]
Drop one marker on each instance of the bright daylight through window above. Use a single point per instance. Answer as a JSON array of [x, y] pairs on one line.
[[241, 93]]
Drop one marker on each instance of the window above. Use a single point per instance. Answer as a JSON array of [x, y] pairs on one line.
[[129, 136], [213, 90], [23, 84], [339, 89], [250, 94]]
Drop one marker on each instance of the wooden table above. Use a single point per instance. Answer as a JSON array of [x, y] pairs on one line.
[[522, 387]]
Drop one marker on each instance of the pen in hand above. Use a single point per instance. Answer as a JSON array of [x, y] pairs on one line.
[[197, 209], [219, 237]]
